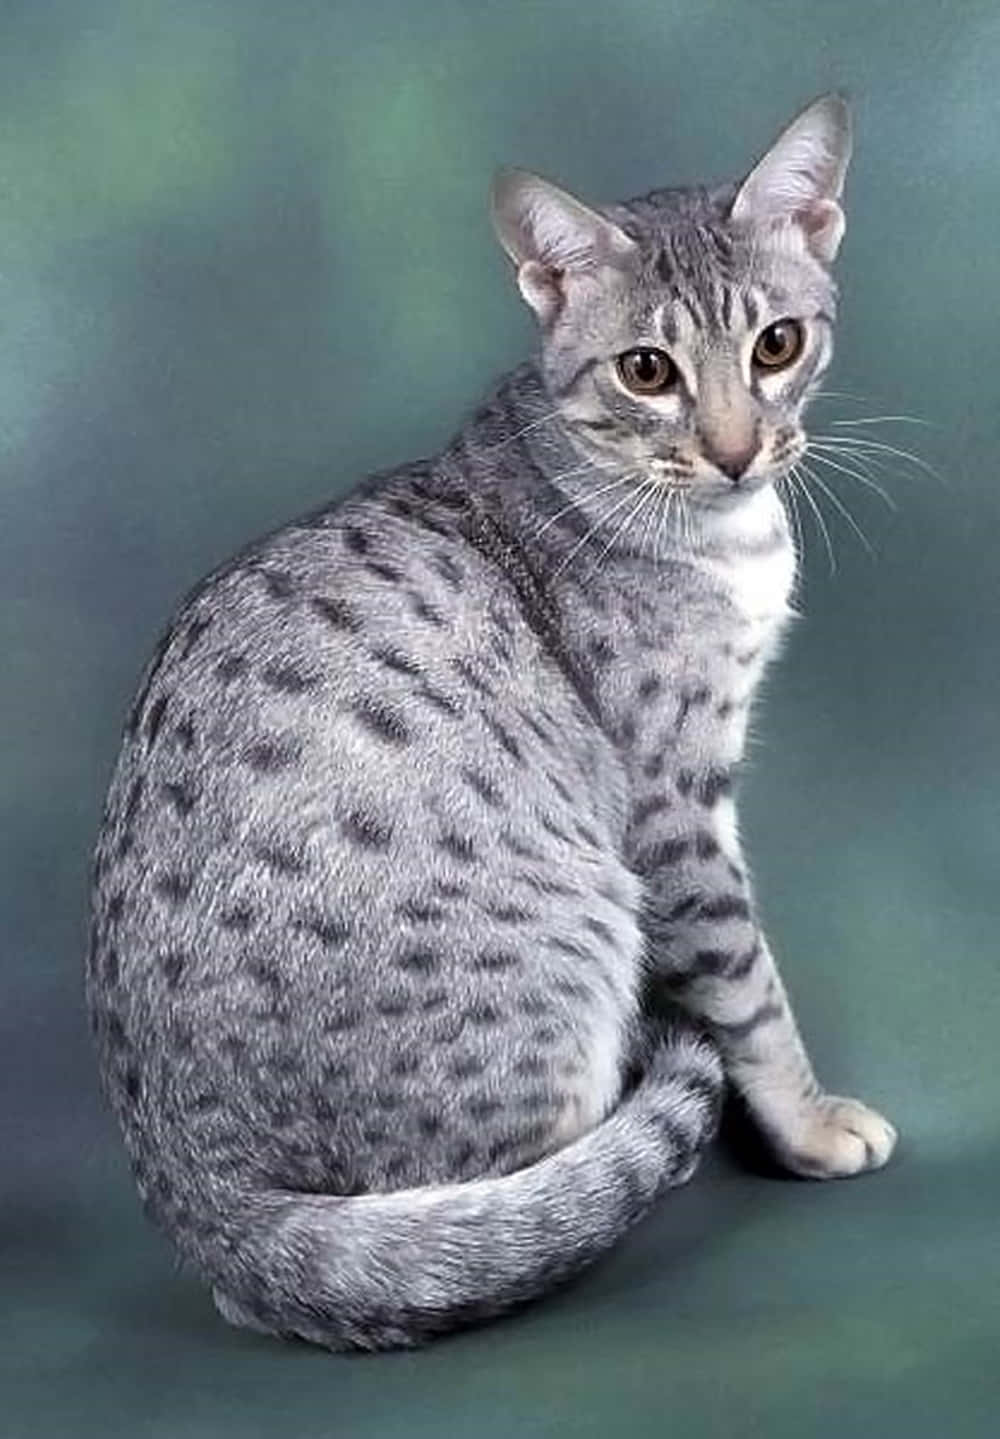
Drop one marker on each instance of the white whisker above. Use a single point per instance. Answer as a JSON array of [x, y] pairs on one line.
[[885, 420], [799, 478], [817, 452], [646, 490], [879, 447], [531, 425], [567, 559], [835, 500], [578, 501]]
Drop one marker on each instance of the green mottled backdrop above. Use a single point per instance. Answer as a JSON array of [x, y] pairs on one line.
[[244, 257]]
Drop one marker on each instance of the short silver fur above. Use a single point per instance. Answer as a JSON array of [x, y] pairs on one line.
[[422, 794]]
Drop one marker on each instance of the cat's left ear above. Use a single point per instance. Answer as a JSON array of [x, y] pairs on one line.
[[801, 177], [552, 237]]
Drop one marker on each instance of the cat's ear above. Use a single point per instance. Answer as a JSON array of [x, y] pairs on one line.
[[552, 238], [802, 176]]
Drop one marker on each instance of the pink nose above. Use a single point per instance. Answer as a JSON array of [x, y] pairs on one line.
[[732, 460]]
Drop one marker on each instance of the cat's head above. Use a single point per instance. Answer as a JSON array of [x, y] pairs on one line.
[[683, 331]]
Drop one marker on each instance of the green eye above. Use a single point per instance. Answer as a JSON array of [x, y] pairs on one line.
[[778, 345], [647, 371]]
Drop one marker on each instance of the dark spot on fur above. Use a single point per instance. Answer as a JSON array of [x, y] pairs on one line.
[[329, 930], [392, 1005], [272, 753], [231, 666], [449, 569], [471, 676], [196, 629], [336, 612], [278, 583], [366, 830], [496, 960], [667, 852], [530, 1066], [646, 808], [420, 912], [440, 701], [459, 846], [173, 885], [173, 965], [714, 784], [185, 733], [511, 913], [381, 720], [154, 718], [484, 787], [181, 794], [602, 651], [726, 906], [289, 679], [239, 917], [484, 1015], [504, 736], [394, 659], [424, 610], [384, 571], [404, 1064], [419, 959], [464, 1066], [482, 1106], [282, 859]]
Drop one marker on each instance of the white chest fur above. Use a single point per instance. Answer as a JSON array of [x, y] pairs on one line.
[[749, 555]]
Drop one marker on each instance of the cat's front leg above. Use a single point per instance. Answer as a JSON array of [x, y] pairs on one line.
[[707, 945]]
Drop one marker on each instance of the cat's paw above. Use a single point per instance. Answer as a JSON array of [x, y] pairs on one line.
[[833, 1138]]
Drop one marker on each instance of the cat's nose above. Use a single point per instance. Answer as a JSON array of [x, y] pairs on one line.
[[733, 461]]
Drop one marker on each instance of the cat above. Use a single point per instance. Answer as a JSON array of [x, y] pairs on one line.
[[423, 795]]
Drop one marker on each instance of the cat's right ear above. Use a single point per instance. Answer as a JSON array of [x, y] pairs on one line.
[[552, 238]]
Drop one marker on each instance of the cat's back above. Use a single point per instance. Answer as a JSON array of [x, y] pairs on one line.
[[325, 671]]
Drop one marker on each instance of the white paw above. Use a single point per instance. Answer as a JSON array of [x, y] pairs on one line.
[[833, 1138]]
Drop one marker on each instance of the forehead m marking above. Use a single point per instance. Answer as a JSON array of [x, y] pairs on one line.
[[697, 263]]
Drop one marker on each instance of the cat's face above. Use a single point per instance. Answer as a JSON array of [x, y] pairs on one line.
[[682, 332]]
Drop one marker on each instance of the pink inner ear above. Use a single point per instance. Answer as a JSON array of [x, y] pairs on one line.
[[823, 224], [541, 288]]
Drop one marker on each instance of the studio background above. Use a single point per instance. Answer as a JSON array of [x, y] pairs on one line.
[[245, 257]]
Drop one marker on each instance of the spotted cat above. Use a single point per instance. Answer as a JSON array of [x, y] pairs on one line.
[[421, 793]]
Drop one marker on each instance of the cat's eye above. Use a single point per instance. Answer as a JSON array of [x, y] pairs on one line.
[[778, 345], [646, 371]]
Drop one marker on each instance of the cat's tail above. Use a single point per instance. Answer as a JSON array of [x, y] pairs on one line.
[[380, 1271]]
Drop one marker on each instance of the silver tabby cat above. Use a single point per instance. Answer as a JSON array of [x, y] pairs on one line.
[[424, 792]]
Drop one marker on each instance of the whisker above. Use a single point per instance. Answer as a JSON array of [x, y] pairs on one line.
[[663, 522], [792, 509], [881, 447], [686, 521], [817, 514], [840, 395], [577, 501], [531, 425], [885, 420], [567, 559], [657, 494], [646, 492], [835, 500], [863, 479]]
